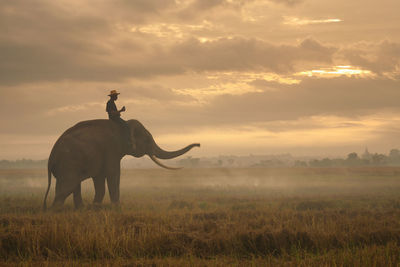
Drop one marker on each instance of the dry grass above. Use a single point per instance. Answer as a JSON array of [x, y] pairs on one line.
[[217, 217]]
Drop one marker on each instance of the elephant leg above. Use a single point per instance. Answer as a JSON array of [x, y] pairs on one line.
[[99, 188], [78, 203], [113, 185], [64, 187]]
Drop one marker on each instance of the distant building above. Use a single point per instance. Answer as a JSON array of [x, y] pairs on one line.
[[366, 155]]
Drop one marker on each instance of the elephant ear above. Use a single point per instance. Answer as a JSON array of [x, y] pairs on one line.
[[138, 135]]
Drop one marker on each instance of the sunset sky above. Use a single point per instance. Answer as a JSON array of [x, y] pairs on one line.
[[306, 77]]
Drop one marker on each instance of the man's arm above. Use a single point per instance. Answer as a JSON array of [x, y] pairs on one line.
[[112, 109], [117, 112], [114, 113]]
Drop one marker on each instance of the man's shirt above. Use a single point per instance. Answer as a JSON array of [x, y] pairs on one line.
[[110, 108]]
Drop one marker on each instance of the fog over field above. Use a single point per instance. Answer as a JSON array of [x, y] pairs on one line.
[[282, 181], [264, 216]]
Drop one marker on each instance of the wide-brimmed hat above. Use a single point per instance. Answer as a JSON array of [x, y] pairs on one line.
[[113, 92]]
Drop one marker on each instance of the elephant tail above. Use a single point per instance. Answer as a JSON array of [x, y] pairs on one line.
[[48, 187]]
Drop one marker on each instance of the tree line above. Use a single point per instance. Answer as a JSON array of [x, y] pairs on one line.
[[353, 159]]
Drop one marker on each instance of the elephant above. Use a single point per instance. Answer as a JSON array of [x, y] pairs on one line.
[[94, 149]]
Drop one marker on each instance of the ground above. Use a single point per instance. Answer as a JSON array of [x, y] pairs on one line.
[[209, 217]]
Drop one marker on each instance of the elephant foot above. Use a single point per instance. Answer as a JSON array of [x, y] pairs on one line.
[[58, 203], [96, 206], [57, 208], [79, 207], [116, 206]]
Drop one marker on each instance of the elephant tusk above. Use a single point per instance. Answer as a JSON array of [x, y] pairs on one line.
[[156, 161]]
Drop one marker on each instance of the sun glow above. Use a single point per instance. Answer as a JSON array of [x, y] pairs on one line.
[[202, 94], [301, 22], [233, 83], [336, 71], [166, 30], [252, 76]]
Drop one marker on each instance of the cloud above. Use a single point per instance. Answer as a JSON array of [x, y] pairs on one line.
[[381, 57], [24, 63], [49, 108], [91, 46], [144, 6], [74, 108], [198, 9], [288, 2], [248, 54], [340, 96], [98, 44], [203, 5]]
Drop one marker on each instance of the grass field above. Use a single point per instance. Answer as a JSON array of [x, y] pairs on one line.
[[209, 217]]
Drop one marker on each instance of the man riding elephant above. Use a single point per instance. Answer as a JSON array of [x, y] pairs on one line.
[[115, 115], [94, 149]]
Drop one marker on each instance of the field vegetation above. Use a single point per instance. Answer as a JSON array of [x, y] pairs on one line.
[[209, 217]]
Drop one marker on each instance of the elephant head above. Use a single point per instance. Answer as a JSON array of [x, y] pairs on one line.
[[145, 145]]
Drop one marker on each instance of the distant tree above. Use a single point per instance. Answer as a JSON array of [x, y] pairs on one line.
[[379, 159], [338, 162], [394, 157], [352, 156], [326, 162], [353, 159], [365, 162], [300, 163], [394, 153], [190, 162], [22, 164]]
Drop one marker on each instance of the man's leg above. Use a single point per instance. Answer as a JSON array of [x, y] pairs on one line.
[[126, 132]]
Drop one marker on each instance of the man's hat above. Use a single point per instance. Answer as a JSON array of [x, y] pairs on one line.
[[113, 92]]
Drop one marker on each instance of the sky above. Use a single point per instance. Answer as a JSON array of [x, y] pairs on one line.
[[306, 77]]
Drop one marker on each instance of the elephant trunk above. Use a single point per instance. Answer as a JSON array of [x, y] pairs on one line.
[[162, 154]]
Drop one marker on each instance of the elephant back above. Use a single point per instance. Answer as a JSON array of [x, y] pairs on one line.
[[85, 141]]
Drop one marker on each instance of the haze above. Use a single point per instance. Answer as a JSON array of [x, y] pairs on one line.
[[308, 77]]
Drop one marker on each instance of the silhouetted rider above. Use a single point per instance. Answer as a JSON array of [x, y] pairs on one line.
[[115, 115]]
